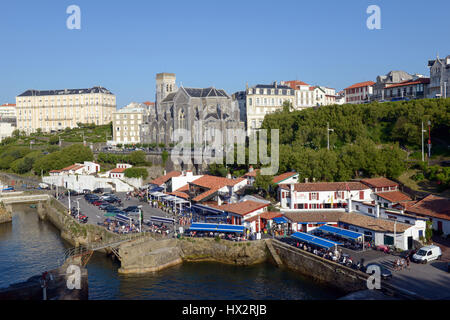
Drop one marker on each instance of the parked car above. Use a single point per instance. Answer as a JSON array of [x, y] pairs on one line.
[[427, 254], [385, 273], [98, 190], [130, 208]]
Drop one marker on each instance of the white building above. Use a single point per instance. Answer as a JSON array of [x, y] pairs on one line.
[[321, 195], [304, 94], [241, 212], [127, 123], [7, 110], [257, 101], [87, 168], [359, 92], [436, 209], [59, 109]]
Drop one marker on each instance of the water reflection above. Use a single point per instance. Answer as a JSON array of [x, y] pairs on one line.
[[29, 246]]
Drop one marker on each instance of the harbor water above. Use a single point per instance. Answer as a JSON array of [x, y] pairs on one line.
[[29, 247]]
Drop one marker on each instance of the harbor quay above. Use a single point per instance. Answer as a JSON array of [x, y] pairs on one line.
[[149, 252]]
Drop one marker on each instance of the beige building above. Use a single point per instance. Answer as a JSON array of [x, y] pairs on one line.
[[127, 123], [257, 101], [59, 109]]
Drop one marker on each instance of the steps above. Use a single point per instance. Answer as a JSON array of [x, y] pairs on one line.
[[274, 254]]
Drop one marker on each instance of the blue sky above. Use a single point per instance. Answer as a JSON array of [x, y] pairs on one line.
[[123, 44]]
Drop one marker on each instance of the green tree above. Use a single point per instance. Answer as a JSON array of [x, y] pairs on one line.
[[137, 158]]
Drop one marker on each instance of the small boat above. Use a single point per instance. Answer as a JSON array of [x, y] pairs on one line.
[[33, 206]]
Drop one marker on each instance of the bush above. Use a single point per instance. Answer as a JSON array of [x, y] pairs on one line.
[[136, 173]]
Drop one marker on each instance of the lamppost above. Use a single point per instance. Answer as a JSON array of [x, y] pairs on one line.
[[140, 218], [423, 154], [328, 135], [70, 210], [429, 140], [78, 212], [445, 89]]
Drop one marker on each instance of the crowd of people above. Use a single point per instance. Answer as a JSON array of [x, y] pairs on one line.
[[219, 235], [401, 263], [120, 228]]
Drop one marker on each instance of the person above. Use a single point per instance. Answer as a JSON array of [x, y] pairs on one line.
[[407, 262]]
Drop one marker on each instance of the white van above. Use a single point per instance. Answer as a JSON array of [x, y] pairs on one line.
[[427, 254]]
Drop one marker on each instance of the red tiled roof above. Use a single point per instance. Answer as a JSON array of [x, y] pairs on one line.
[[325, 186], [394, 196], [252, 174], [379, 182], [163, 179], [204, 195], [409, 83], [179, 194], [183, 188], [149, 103], [284, 176], [213, 182], [267, 215], [361, 84], [118, 170], [432, 206], [73, 167], [295, 83], [55, 171], [8, 105], [243, 208]]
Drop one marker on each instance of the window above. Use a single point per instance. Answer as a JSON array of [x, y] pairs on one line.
[[369, 210], [250, 101]]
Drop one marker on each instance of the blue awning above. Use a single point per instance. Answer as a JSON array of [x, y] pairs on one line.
[[318, 241], [207, 209], [280, 220], [122, 218], [341, 232], [162, 219], [216, 227], [156, 189]]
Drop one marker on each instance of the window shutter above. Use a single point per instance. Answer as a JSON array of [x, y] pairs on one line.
[[317, 195], [310, 196]]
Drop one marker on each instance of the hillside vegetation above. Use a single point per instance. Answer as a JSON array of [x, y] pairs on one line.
[[368, 140]]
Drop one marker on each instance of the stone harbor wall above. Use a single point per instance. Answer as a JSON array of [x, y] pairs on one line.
[[5, 215]]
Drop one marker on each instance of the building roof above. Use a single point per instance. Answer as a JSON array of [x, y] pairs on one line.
[[205, 92], [148, 103], [118, 170], [361, 84], [73, 167], [433, 206], [394, 196], [33, 92], [266, 215], [163, 179], [371, 223], [179, 194], [243, 208], [316, 216], [294, 84], [252, 173], [8, 105], [205, 194], [284, 176], [213, 182], [326, 186], [271, 86], [379, 182], [409, 83]]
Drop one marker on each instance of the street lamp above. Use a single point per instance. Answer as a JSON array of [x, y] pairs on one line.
[[140, 218], [429, 140], [328, 135], [78, 212], [423, 155], [70, 211]]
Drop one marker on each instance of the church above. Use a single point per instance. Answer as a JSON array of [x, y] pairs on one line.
[[185, 108]]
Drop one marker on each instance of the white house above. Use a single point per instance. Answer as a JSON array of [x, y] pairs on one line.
[[321, 195], [436, 209]]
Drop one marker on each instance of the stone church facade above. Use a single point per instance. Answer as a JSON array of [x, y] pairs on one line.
[[184, 108]]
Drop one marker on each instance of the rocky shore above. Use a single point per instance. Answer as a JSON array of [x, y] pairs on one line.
[[5, 215]]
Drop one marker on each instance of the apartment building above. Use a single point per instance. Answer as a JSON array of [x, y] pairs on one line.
[[52, 110], [7, 110], [359, 92], [127, 123], [260, 100], [304, 94]]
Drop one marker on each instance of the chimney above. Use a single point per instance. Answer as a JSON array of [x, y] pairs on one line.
[[275, 84], [164, 172], [314, 179], [228, 175], [378, 211], [306, 180]]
